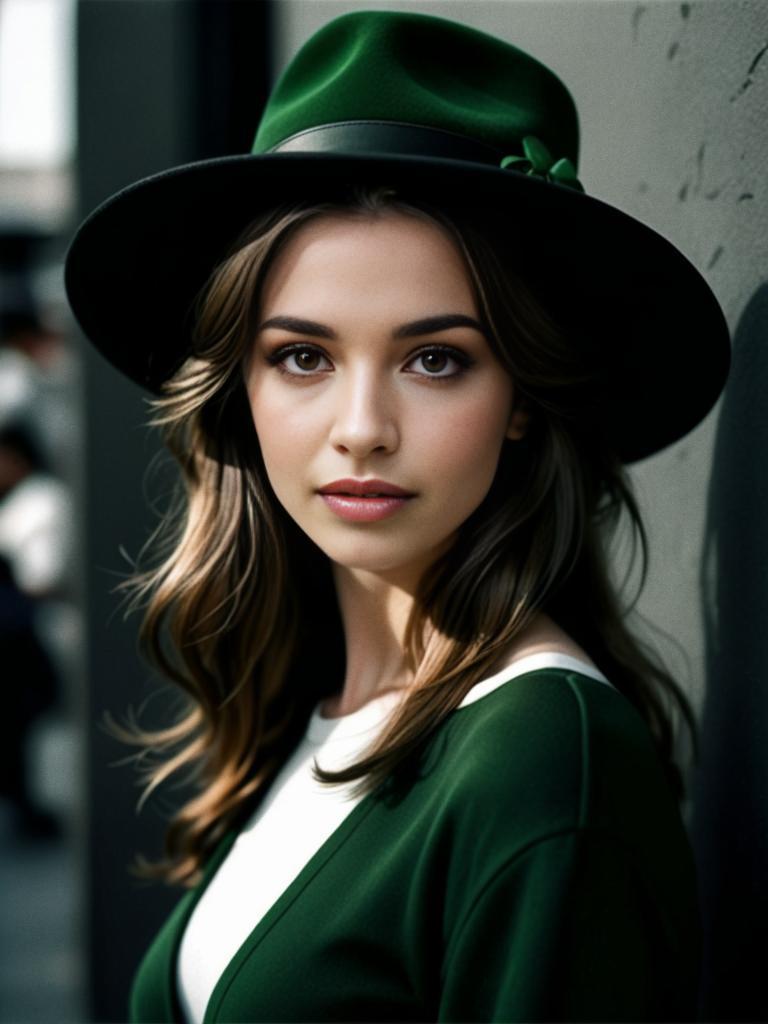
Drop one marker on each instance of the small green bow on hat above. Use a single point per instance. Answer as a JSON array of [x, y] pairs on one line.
[[538, 160]]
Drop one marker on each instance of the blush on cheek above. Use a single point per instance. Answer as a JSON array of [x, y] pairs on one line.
[[473, 434]]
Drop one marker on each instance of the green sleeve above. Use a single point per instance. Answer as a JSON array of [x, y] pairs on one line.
[[567, 930]]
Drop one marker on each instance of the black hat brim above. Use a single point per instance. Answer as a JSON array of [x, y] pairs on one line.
[[138, 262]]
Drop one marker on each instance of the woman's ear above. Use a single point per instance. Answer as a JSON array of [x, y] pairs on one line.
[[518, 424]]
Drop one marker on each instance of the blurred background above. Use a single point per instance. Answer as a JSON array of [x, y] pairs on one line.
[[98, 93]]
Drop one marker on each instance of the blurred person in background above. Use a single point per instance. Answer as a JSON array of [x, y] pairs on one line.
[[35, 516], [41, 426], [38, 372], [34, 512]]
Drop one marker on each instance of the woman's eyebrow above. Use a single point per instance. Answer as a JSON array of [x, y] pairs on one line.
[[427, 325]]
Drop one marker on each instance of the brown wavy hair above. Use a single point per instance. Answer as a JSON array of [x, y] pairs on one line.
[[239, 599]]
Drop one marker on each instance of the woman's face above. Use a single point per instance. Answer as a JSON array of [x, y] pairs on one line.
[[348, 378]]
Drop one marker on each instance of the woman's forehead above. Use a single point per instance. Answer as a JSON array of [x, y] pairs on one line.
[[369, 259]]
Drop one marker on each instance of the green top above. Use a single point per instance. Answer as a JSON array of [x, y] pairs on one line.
[[534, 868]]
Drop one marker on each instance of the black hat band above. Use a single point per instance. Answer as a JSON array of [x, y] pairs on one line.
[[389, 137]]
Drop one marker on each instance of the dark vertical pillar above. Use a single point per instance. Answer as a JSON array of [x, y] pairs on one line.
[[159, 84], [730, 799]]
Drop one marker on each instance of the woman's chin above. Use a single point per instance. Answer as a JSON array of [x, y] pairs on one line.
[[389, 558]]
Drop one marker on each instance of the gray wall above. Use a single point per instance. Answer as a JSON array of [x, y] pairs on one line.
[[672, 99]]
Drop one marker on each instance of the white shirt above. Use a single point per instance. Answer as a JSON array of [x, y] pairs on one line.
[[37, 531]]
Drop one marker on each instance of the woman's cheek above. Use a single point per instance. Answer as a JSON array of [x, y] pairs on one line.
[[474, 436]]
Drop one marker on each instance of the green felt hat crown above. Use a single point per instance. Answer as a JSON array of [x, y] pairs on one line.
[[385, 81], [457, 119]]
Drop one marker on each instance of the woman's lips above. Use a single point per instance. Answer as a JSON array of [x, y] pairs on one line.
[[363, 510]]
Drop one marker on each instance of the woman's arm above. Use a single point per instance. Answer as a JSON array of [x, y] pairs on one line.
[[570, 930]]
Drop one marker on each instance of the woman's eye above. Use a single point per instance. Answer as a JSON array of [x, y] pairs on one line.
[[435, 360], [305, 359]]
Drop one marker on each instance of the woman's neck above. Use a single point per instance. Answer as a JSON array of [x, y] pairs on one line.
[[375, 613]]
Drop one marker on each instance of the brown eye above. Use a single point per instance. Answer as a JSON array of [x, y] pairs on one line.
[[434, 359], [306, 358], [303, 357]]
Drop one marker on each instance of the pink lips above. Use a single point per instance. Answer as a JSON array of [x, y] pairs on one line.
[[364, 501], [364, 488], [363, 510]]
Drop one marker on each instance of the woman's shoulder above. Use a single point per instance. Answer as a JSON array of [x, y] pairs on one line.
[[557, 763], [553, 711], [559, 749]]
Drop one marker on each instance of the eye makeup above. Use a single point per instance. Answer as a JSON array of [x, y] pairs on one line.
[[278, 356]]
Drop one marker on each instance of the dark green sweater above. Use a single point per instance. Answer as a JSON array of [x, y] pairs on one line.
[[532, 867]]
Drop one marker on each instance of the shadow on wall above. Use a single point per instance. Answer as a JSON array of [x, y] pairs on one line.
[[729, 827]]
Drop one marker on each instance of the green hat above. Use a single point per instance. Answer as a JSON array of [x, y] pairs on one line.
[[451, 115]]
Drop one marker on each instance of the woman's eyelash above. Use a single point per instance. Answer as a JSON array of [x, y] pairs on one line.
[[278, 357]]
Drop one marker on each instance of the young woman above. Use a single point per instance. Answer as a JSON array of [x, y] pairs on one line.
[[402, 370]]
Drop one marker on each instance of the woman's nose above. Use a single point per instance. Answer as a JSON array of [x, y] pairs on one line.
[[364, 414]]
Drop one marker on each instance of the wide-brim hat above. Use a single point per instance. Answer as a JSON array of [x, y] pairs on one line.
[[453, 116]]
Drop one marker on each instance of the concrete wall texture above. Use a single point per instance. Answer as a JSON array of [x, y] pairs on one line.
[[673, 100]]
